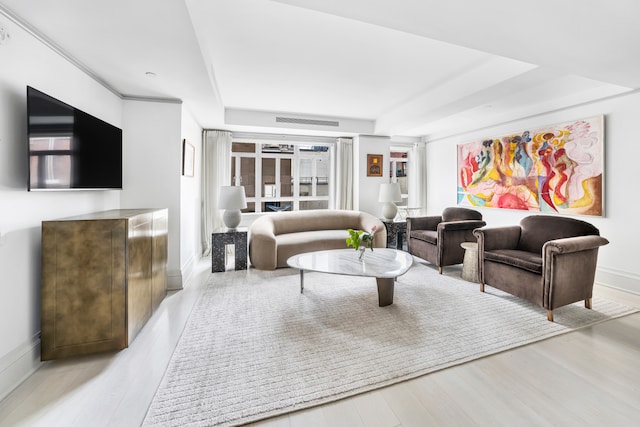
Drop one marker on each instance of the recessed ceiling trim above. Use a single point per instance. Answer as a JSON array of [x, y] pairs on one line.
[[150, 99], [317, 123], [314, 122], [289, 138]]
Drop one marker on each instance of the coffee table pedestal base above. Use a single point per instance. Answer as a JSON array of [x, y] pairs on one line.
[[384, 264], [385, 291]]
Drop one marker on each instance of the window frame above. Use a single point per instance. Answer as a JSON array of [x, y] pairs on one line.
[[258, 199]]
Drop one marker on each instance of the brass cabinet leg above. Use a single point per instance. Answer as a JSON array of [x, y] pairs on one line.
[[587, 303], [550, 315], [439, 270], [481, 287]]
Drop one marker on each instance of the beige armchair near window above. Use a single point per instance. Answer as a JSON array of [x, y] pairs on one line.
[[547, 260], [437, 238]]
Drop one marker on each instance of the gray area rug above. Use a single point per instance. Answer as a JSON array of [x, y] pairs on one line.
[[254, 347]]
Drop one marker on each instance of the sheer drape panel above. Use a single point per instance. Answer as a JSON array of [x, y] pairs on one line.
[[418, 176], [344, 172], [216, 171]]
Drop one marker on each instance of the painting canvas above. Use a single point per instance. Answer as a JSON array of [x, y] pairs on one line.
[[556, 168], [374, 164]]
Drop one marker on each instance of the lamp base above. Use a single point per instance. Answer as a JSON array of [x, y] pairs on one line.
[[231, 218], [389, 211]]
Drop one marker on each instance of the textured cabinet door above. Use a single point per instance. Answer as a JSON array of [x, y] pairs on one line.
[[103, 276], [159, 250], [139, 274], [83, 287]]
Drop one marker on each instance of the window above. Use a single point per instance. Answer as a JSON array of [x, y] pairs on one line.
[[283, 177]]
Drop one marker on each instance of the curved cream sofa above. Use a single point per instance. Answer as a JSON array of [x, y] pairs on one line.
[[275, 237]]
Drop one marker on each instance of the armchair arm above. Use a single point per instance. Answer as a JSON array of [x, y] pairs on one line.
[[573, 244], [423, 223], [568, 269]]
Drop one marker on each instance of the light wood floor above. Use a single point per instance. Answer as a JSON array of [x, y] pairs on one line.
[[587, 377]]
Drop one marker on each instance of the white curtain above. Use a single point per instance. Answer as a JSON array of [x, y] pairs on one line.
[[344, 172], [418, 177], [216, 171]]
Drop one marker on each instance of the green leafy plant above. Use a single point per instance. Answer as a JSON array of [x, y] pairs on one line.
[[359, 238]]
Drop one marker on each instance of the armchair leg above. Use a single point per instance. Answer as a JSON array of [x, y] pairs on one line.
[[481, 287], [550, 315], [587, 303], [440, 270]]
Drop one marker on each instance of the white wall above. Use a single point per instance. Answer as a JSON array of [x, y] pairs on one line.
[[152, 145], [366, 188], [190, 200], [152, 150], [26, 61], [618, 264]]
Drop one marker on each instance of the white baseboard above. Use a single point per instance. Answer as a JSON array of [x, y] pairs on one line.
[[187, 271], [618, 279], [17, 365], [174, 280], [618, 285]]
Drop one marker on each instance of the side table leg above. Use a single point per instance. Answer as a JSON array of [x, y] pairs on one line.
[[218, 255], [392, 239], [301, 281], [241, 252]]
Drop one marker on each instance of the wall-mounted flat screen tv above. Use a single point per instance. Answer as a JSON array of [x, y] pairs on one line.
[[70, 149]]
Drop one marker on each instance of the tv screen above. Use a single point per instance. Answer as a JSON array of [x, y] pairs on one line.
[[70, 149]]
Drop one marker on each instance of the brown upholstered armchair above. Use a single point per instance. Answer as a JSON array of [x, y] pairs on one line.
[[437, 238], [547, 260]]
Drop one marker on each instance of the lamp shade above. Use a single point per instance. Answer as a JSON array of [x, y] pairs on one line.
[[232, 197], [390, 192]]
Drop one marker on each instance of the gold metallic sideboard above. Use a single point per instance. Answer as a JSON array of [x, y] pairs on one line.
[[103, 276]]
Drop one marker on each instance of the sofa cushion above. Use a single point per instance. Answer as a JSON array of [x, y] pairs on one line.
[[522, 259], [314, 238], [290, 244], [303, 221], [428, 236]]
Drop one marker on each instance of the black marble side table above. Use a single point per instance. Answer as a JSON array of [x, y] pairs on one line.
[[220, 239], [396, 231]]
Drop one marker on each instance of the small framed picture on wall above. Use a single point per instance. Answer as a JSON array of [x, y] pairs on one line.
[[374, 164], [188, 158]]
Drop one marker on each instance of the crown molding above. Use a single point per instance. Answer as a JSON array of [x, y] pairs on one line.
[[16, 19]]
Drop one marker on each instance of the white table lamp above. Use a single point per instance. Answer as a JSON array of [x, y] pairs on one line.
[[389, 193], [232, 199]]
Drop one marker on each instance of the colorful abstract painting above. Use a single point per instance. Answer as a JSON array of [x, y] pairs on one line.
[[557, 168]]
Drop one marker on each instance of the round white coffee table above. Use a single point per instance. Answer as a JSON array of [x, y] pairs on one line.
[[384, 264]]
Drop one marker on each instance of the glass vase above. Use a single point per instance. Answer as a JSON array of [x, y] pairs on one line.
[[361, 251]]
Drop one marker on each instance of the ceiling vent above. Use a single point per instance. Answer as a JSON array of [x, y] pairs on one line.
[[307, 121]]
